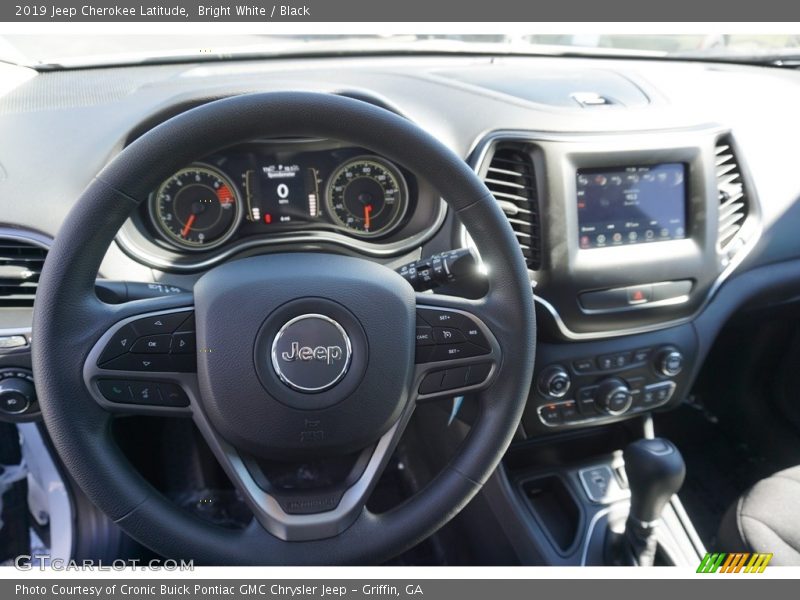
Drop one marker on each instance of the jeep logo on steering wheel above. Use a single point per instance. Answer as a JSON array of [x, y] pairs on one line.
[[326, 353], [311, 353]]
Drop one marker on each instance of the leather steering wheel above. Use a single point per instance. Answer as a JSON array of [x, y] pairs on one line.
[[300, 356]]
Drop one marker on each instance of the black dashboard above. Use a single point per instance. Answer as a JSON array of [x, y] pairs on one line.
[[642, 216]]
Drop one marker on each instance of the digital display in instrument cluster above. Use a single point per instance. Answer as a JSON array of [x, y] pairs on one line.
[[631, 205], [279, 192], [255, 191]]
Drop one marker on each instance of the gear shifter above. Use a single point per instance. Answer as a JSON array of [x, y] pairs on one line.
[[655, 470]]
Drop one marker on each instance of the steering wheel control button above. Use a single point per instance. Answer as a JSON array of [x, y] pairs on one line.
[[184, 343], [424, 336], [453, 351], [120, 343], [455, 335], [153, 344], [129, 349], [455, 378], [166, 323], [478, 373], [115, 391], [438, 318], [140, 362], [145, 393], [173, 395], [311, 353], [448, 335], [432, 383]]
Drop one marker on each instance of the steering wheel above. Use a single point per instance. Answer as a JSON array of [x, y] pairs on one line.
[[300, 357]]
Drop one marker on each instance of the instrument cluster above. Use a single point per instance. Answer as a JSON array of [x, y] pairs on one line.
[[266, 188]]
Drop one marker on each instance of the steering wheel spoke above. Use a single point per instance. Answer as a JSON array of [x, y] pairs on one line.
[[146, 361], [456, 351], [318, 511]]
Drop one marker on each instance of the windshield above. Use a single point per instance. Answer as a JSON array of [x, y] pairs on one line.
[[65, 51]]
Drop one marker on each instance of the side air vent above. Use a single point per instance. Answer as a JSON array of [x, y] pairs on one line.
[[20, 266], [733, 200], [512, 180]]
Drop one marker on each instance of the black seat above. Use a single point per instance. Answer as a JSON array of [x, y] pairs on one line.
[[766, 518]]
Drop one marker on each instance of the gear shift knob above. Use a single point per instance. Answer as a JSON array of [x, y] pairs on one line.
[[655, 470]]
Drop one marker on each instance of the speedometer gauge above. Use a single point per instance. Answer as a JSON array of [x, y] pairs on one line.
[[367, 196], [197, 208]]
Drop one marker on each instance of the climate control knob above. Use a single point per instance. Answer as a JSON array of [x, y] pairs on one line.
[[613, 396], [554, 382], [670, 362]]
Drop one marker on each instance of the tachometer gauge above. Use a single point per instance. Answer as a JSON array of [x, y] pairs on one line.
[[367, 196], [198, 208]]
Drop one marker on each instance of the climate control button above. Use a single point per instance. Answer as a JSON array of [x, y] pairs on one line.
[[613, 397], [554, 382]]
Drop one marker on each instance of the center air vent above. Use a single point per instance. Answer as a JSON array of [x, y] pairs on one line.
[[733, 200], [512, 180], [20, 266]]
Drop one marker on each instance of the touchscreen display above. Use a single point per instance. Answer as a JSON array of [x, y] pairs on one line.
[[631, 205]]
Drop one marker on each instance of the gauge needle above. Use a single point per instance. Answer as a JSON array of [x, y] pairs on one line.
[[188, 226], [367, 211]]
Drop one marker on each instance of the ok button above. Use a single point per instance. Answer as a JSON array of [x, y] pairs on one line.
[[448, 335], [152, 344]]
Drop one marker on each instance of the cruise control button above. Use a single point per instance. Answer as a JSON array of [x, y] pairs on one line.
[[173, 395], [160, 323], [447, 335], [424, 336], [120, 343], [114, 390], [450, 352], [473, 333], [438, 318], [152, 344], [183, 343]]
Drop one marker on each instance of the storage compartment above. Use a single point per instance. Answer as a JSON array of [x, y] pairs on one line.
[[554, 508]]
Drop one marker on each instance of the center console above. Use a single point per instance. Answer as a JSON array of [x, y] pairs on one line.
[[627, 237]]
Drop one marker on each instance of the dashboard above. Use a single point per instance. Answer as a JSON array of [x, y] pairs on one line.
[[647, 217]]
